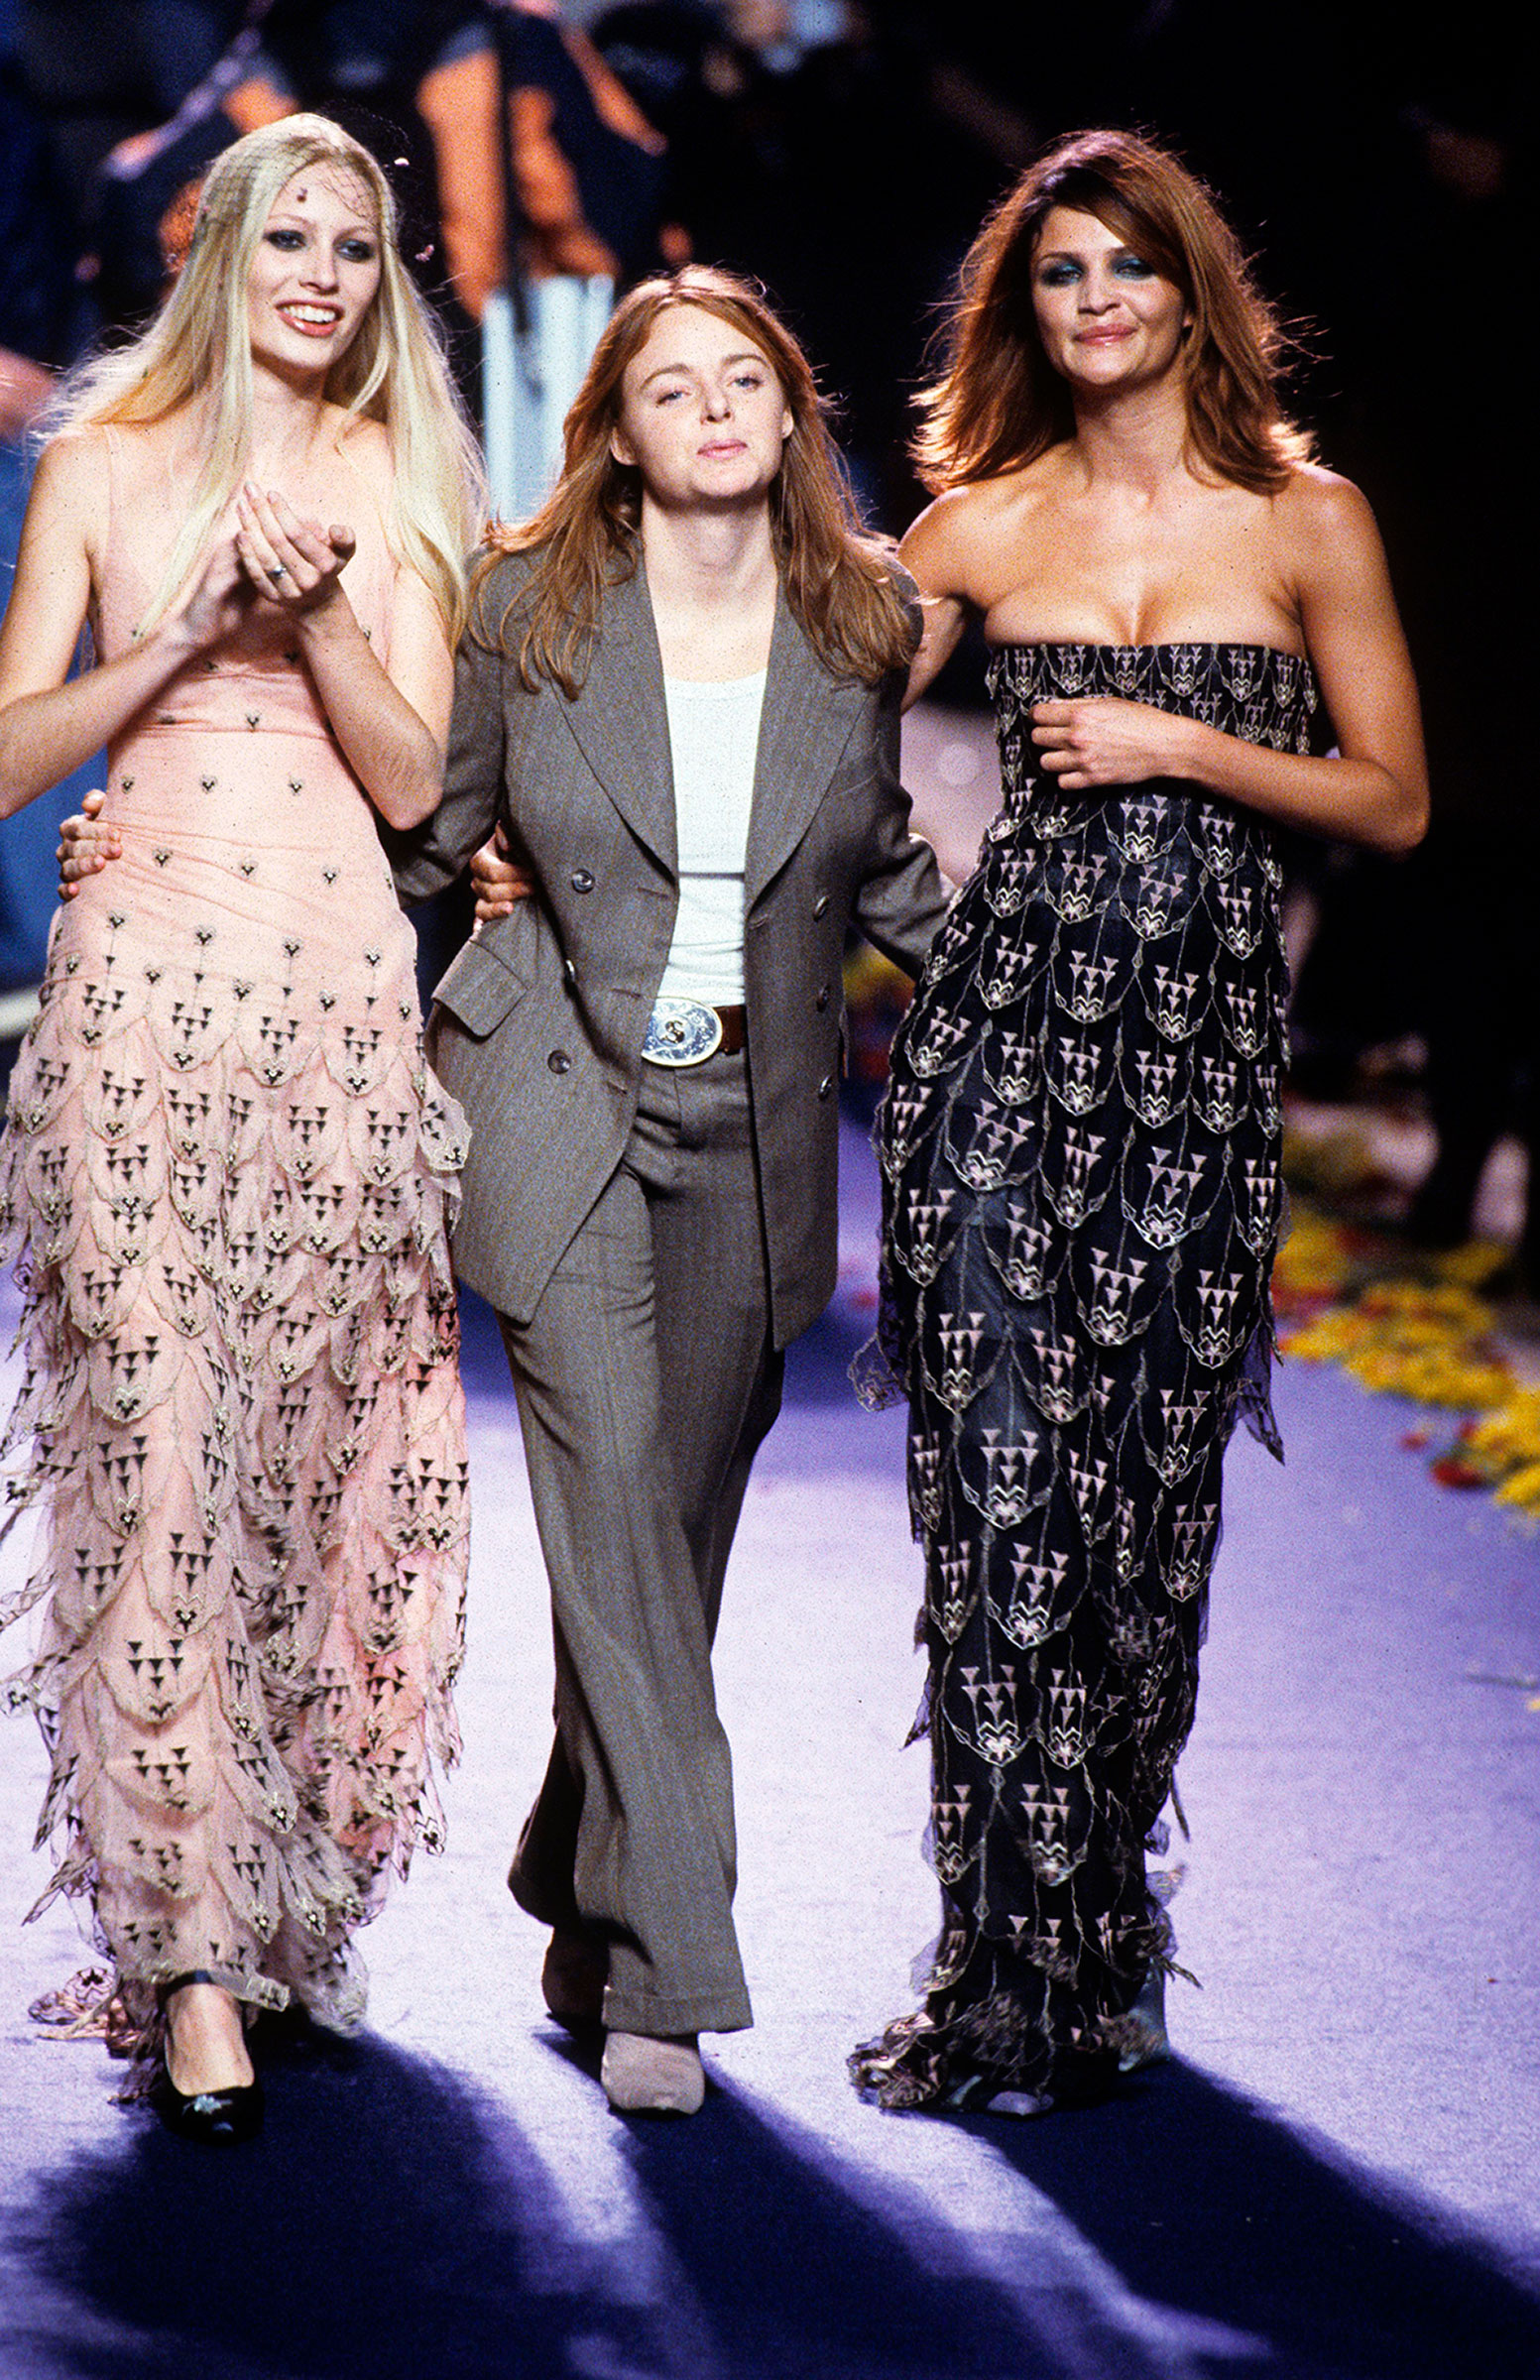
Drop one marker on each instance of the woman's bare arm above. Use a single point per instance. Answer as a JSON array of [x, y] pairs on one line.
[[49, 722], [935, 551], [392, 719]]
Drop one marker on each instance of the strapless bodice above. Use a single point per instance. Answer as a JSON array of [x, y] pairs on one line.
[[1254, 691]]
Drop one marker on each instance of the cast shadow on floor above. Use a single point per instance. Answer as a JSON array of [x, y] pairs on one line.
[[393, 2225], [1204, 2203]]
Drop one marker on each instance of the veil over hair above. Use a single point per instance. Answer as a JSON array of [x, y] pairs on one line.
[[197, 352], [839, 581], [997, 402]]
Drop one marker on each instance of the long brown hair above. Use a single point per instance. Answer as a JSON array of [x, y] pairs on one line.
[[999, 403], [839, 581]]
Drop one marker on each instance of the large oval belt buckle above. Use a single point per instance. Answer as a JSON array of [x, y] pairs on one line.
[[681, 1032]]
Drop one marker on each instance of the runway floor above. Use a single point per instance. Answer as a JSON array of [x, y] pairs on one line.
[[1338, 2180]]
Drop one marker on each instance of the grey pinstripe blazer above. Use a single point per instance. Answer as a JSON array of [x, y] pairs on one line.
[[537, 1025]]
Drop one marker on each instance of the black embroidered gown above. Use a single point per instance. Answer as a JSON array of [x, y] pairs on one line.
[[1080, 1149]]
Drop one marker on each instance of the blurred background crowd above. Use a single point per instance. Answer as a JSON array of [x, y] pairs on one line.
[[1377, 162]]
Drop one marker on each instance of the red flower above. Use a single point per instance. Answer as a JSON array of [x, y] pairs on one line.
[[1453, 1470]]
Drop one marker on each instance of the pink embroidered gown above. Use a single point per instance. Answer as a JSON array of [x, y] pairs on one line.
[[226, 1174]]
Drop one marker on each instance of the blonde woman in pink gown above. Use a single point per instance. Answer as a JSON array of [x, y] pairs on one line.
[[226, 1171]]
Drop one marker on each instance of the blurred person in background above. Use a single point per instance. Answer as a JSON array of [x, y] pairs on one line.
[[523, 154], [790, 126], [42, 326]]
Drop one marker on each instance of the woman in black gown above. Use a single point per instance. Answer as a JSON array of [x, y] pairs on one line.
[[1080, 1140]]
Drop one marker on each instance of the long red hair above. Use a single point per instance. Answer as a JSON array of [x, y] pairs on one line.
[[999, 404], [839, 581]]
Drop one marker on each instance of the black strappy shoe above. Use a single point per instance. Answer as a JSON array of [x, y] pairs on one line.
[[223, 2117]]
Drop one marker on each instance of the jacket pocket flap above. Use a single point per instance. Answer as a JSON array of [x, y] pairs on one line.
[[478, 990]]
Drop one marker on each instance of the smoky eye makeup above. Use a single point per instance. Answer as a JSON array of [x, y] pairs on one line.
[[354, 248], [1060, 272]]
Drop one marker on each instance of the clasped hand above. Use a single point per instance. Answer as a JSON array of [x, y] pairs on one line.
[[1101, 740], [272, 556]]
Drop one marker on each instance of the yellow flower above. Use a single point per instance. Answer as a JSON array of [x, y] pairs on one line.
[[1426, 1340], [1522, 1489]]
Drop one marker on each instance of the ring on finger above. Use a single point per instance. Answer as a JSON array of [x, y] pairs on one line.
[[277, 571]]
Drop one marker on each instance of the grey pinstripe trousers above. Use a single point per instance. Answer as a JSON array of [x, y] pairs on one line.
[[646, 1382]]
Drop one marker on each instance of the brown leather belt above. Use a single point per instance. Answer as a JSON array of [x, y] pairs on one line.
[[734, 1031]]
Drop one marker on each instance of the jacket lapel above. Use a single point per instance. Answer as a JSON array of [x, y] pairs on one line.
[[621, 720], [803, 728]]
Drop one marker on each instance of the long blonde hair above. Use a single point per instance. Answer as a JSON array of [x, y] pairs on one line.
[[999, 404], [839, 581], [394, 372]]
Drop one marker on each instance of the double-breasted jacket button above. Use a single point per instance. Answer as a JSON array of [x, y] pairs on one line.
[[826, 1086], [820, 905], [582, 879], [559, 1062], [822, 1002]]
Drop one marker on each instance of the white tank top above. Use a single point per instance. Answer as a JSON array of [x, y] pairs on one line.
[[714, 738]]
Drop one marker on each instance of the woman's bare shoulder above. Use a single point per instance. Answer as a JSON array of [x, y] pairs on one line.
[[75, 464], [1317, 507], [127, 460], [958, 535], [1328, 545], [73, 491]]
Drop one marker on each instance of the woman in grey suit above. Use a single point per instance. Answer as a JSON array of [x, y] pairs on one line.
[[680, 700]]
